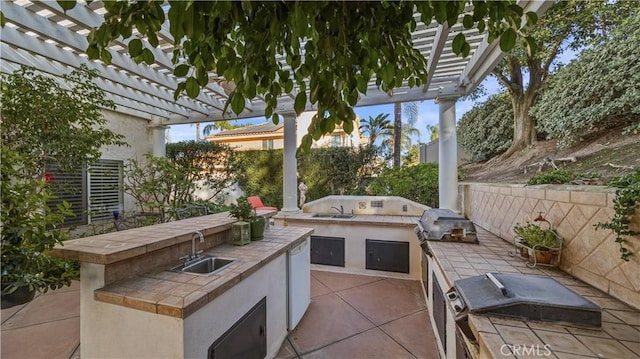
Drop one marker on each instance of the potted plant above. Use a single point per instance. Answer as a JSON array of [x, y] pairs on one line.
[[241, 230], [542, 244]]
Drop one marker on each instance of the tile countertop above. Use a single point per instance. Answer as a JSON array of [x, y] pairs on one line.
[[367, 219], [619, 336], [120, 245], [179, 295]]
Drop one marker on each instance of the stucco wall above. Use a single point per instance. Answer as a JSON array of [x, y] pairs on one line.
[[588, 254], [137, 134]]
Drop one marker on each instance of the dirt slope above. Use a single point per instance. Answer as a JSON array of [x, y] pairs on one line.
[[597, 155]]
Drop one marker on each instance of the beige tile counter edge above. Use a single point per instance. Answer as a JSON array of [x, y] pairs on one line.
[[179, 295]]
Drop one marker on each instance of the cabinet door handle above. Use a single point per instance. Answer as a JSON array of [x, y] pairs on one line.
[[261, 330]]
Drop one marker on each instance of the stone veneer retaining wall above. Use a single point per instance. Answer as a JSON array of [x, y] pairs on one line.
[[588, 254]]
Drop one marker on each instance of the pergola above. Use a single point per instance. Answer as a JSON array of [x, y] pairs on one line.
[[42, 35]]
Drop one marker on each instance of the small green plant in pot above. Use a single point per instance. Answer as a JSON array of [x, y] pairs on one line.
[[541, 242], [241, 230]]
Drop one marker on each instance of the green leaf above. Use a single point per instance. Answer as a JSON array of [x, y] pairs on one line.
[[3, 20], [300, 102], [467, 21], [153, 39], [67, 4], [106, 56], [147, 56], [508, 40], [237, 102], [192, 87], [135, 47], [179, 89], [466, 49], [275, 119], [457, 44], [181, 70], [532, 18], [532, 46]]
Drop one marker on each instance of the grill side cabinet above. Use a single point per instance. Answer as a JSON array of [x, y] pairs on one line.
[[387, 256], [327, 250]]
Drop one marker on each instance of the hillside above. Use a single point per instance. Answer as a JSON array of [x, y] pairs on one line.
[[600, 155]]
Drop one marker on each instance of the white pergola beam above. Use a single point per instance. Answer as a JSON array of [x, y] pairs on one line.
[[31, 44], [82, 15], [48, 29], [436, 50]]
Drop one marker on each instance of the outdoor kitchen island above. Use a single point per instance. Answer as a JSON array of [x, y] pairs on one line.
[[500, 337], [134, 306]]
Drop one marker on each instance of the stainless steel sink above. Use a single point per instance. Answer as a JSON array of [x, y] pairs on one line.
[[331, 215], [204, 266]]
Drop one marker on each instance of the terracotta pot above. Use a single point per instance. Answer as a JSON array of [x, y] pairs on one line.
[[544, 257], [524, 253]]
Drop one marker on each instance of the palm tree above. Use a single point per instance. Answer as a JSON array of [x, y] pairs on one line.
[[375, 127], [218, 125], [411, 112], [435, 131]]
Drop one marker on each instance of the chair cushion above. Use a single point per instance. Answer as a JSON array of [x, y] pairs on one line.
[[257, 204]]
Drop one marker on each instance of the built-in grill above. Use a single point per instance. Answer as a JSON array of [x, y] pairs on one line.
[[524, 297], [438, 224]]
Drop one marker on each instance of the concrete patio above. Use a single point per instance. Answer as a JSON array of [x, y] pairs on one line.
[[350, 316]]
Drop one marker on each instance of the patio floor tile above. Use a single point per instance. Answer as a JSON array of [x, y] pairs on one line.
[[327, 320], [414, 333], [340, 281], [373, 343], [317, 288], [386, 300], [46, 308], [56, 339]]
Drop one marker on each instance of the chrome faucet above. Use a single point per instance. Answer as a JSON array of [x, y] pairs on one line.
[[194, 255], [341, 209]]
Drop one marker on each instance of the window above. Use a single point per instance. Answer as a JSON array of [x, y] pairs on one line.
[[93, 194], [267, 144], [105, 196], [336, 141]]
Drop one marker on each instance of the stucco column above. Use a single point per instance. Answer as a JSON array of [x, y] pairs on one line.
[[158, 128], [448, 154], [290, 164]]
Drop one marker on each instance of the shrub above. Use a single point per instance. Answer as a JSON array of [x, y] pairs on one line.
[[552, 177], [487, 129], [325, 171], [599, 90], [625, 205], [417, 183]]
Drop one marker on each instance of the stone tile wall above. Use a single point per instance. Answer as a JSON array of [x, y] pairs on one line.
[[588, 254]]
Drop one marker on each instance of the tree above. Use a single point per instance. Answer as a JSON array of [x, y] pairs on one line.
[[375, 127], [44, 122], [487, 129], [163, 184], [331, 49], [218, 125], [411, 111], [598, 90], [434, 131], [571, 24]]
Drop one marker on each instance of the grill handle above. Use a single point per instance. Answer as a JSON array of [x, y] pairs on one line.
[[497, 283]]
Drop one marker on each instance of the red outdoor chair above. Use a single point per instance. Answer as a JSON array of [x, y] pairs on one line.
[[257, 204]]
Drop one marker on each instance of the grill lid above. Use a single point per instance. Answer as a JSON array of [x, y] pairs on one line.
[[439, 224], [527, 297]]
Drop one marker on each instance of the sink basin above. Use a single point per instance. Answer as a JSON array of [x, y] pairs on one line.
[[206, 266], [332, 215]]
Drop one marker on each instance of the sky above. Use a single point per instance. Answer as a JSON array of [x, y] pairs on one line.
[[427, 115]]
